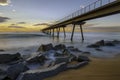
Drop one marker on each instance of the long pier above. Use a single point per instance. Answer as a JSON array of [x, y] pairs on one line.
[[100, 8]]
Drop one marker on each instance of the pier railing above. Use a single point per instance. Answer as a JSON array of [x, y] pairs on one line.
[[88, 8]]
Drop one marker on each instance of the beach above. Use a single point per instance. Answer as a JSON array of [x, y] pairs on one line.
[[97, 69], [60, 58]]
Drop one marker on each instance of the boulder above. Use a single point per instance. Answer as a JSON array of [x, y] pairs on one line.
[[60, 47], [1, 50], [116, 42], [109, 44], [41, 74], [82, 58], [37, 58], [93, 46], [2, 74], [100, 43], [14, 70], [61, 59], [98, 49], [46, 47], [6, 58]]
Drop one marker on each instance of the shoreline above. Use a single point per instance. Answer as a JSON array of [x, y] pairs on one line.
[[97, 69]]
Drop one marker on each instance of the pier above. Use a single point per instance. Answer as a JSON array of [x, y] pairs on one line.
[[100, 8]]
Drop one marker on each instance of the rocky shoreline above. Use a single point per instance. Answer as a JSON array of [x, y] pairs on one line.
[[51, 59]]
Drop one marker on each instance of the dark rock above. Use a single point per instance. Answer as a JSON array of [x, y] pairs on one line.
[[83, 58], [98, 49], [78, 65], [100, 43], [14, 70], [46, 47], [88, 53], [61, 59], [5, 58], [116, 42], [75, 50], [109, 44], [60, 47], [93, 46], [2, 74], [35, 59], [1, 50], [44, 73]]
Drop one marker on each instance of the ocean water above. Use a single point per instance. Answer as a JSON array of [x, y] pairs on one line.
[[29, 42]]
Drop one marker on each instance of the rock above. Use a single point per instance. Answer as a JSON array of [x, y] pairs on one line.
[[2, 74], [83, 58], [75, 50], [5, 58], [61, 59], [61, 53], [14, 70], [116, 42], [1, 50], [109, 44], [46, 47], [60, 47], [88, 53], [37, 58], [100, 43], [93, 46], [41, 74], [78, 65], [98, 49]]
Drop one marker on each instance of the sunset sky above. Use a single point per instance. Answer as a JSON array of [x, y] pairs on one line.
[[33, 15]]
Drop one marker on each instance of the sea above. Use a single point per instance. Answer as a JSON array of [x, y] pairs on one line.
[[27, 43]]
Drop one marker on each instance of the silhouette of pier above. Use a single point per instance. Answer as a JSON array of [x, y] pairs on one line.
[[100, 8]]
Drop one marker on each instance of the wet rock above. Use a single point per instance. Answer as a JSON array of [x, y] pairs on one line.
[[1, 50], [98, 49], [109, 44], [2, 74], [61, 59], [46, 47], [78, 65], [60, 47], [100, 43], [37, 58], [61, 53], [5, 58], [75, 50], [116, 42], [88, 53], [82, 58], [14, 70], [93, 46], [40, 74]]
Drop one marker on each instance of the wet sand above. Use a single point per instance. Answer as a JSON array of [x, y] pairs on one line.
[[97, 69]]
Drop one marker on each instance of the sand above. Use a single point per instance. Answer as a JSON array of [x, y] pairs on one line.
[[97, 69]]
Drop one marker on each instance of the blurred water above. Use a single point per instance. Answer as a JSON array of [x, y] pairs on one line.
[[25, 40]]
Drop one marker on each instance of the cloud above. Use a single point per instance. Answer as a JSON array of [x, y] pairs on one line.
[[15, 26], [3, 19], [4, 2], [21, 23], [46, 24]]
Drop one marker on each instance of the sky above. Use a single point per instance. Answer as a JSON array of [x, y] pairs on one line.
[[33, 15]]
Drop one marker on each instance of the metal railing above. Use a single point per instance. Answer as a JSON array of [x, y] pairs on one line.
[[86, 9]]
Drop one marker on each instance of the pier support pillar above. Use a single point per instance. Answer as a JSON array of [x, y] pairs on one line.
[[81, 32], [64, 32], [53, 33], [58, 32], [73, 32]]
